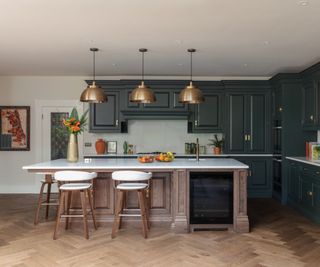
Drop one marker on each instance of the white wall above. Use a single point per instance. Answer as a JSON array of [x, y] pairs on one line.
[[24, 91]]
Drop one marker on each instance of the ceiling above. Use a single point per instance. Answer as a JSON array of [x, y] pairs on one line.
[[232, 37]]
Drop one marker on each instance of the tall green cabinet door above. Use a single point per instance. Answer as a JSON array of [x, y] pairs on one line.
[[104, 117], [309, 104], [259, 123], [236, 120], [294, 181]]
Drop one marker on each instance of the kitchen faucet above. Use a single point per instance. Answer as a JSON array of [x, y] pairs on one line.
[[197, 150]]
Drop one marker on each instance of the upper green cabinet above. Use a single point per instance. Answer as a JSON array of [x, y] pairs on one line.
[[248, 121], [207, 116], [310, 113], [106, 117]]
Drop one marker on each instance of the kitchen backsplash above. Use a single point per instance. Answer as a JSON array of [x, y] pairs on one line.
[[151, 135]]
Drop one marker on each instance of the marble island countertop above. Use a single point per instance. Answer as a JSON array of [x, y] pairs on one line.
[[178, 155], [127, 163]]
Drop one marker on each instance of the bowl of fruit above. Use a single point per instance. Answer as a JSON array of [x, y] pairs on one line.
[[165, 157], [145, 159]]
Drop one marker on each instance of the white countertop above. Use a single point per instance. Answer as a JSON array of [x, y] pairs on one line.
[[305, 160], [123, 163], [179, 155]]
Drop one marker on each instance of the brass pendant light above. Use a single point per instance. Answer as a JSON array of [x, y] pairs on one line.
[[93, 93], [142, 93], [191, 94]]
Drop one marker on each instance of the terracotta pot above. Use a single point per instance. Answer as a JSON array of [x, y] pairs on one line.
[[100, 146], [217, 150]]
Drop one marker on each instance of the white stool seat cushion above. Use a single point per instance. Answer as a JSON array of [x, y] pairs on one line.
[[131, 176], [132, 186], [75, 186], [74, 176]]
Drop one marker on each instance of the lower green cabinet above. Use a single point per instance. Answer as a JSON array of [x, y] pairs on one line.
[[259, 176], [294, 181], [304, 189]]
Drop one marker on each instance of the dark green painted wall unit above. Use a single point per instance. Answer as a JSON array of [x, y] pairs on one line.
[[248, 118], [304, 189]]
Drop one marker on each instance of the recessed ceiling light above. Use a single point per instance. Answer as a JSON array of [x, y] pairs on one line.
[[266, 42], [245, 65], [114, 64], [304, 3], [180, 64], [178, 42]]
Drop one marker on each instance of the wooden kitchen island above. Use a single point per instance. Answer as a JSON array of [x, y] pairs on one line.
[[169, 191]]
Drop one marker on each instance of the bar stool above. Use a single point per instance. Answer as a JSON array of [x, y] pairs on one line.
[[125, 181], [70, 182], [48, 181]]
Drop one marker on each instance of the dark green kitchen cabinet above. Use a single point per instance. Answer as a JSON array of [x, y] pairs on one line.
[[304, 188], [105, 117], [309, 94], [248, 122], [277, 103], [207, 116], [259, 175], [294, 181]]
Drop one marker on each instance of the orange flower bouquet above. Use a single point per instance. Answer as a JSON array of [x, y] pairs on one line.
[[75, 125]]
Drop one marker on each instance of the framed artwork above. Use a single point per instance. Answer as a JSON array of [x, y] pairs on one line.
[[112, 147], [15, 128]]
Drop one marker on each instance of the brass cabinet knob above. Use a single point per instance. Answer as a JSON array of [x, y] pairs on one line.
[[196, 123], [310, 193], [311, 117], [280, 109]]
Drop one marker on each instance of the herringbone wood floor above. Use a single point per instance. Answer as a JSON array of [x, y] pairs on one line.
[[279, 237]]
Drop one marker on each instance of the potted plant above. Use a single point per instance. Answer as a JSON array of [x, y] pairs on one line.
[[216, 143]]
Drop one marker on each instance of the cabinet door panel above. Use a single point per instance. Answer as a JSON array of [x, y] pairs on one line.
[[309, 107], [306, 189], [207, 113], [176, 103], [259, 177], [294, 181], [258, 115], [105, 116], [316, 196], [162, 101], [236, 120]]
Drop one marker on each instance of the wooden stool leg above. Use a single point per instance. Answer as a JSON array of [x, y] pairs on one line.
[[116, 222], [60, 209], [84, 210], [89, 192], [143, 214], [36, 217], [68, 204], [147, 206], [124, 198], [48, 200]]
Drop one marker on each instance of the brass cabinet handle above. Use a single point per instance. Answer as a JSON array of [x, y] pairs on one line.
[[245, 137], [311, 117], [117, 122], [280, 109], [196, 123], [249, 137]]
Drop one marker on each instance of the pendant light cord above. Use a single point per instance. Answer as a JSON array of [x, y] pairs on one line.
[[142, 66], [94, 66], [190, 66]]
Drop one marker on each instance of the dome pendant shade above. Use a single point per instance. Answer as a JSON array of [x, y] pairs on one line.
[[191, 95], [142, 94], [93, 94]]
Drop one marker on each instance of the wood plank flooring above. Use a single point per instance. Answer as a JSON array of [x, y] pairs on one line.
[[279, 237]]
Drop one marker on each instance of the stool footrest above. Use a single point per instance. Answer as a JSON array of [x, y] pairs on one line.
[[130, 215], [71, 216]]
